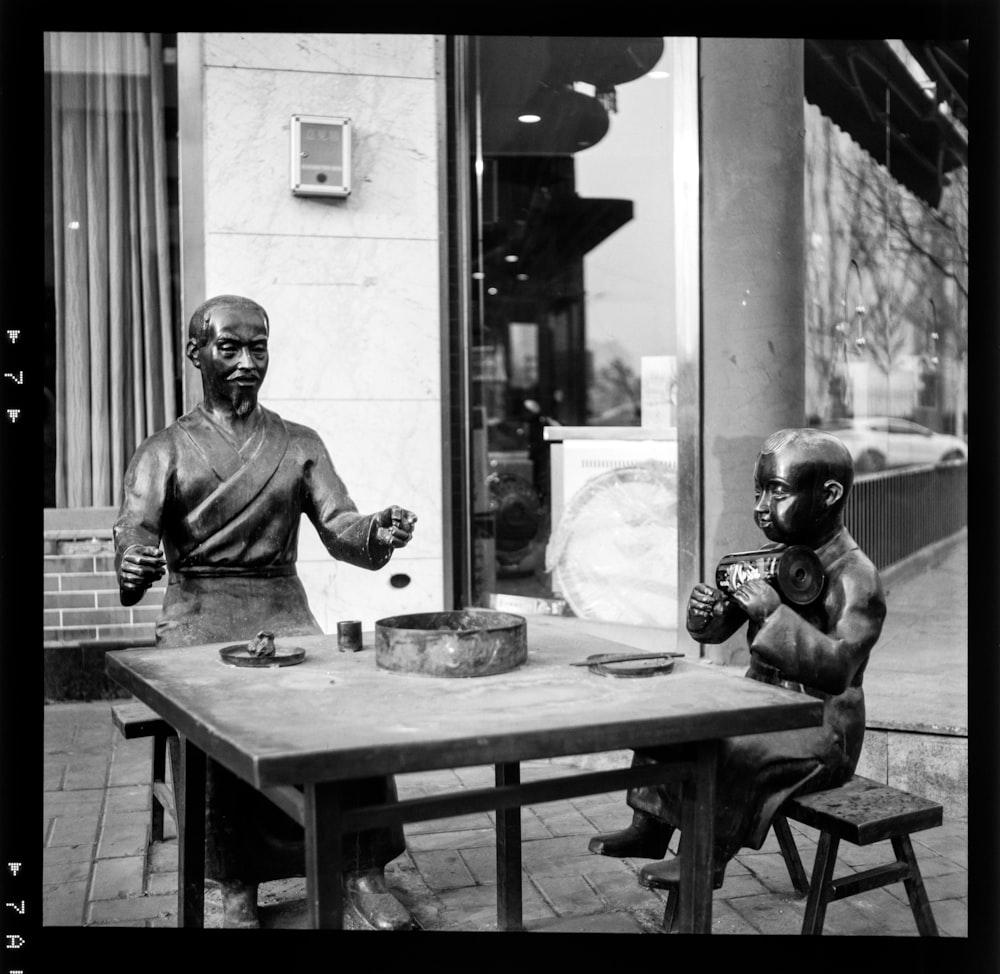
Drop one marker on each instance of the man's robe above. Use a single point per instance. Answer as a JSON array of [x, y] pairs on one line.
[[821, 649], [227, 517]]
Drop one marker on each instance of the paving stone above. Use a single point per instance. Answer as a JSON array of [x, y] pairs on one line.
[[726, 921], [952, 917], [482, 864], [129, 798], [55, 801], [81, 777], [84, 852], [617, 922], [885, 915], [125, 838], [622, 891], [57, 873], [742, 884], [559, 848], [569, 895], [532, 826], [64, 905], [561, 819], [443, 869], [72, 831], [162, 856], [116, 878], [479, 820], [947, 886], [468, 839], [161, 883], [475, 908], [134, 908], [768, 914]]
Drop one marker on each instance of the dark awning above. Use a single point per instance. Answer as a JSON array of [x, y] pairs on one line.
[[865, 89]]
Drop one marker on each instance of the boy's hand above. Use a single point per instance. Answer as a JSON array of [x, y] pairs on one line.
[[757, 599], [704, 603]]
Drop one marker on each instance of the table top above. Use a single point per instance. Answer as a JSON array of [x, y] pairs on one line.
[[337, 715]]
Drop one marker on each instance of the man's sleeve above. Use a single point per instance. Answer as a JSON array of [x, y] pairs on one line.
[[346, 534], [827, 660], [140, 517]]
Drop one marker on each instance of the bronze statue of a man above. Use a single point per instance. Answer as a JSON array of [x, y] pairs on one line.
[[222, 490], [801, 482]]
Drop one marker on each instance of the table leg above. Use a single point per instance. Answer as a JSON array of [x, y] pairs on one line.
[[509, 907], [324, 856], [698, 839], [190, 809]]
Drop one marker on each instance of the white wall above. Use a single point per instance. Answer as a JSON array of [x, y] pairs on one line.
[[351, 285]]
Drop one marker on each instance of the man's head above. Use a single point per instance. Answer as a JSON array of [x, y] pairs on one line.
[[227, 343], [801, 481]]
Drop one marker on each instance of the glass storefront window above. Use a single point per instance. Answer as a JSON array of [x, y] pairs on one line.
[[571, 340], [887, 288]]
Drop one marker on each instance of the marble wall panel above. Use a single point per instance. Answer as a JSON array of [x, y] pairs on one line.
[[389, 55], [386, 453], [337, 591], [350, 318], [394, 154], [874, 760], [932, 767]]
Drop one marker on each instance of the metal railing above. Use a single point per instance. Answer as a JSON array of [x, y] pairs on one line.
[[894, 513]]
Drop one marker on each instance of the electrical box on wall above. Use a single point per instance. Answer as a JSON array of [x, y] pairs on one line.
[[320, 155]]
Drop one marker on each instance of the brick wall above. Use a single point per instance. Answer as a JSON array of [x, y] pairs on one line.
[[81, 601]]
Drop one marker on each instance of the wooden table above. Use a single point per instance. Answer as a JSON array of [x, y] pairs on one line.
[[297, 733]]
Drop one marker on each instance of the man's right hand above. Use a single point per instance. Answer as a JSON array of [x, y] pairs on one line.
[[141, 565]]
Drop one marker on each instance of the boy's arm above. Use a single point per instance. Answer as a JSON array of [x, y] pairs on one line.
[[827, 659], [711, 617]]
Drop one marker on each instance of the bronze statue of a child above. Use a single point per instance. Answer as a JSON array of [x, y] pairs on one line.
[[802, 479]]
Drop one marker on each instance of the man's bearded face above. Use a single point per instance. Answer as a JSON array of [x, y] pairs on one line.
[[234, 359]]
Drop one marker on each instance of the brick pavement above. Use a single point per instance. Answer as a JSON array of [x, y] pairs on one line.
[[98, 870]]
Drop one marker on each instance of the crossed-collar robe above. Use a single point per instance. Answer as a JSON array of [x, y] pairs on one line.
[[821, 649], [227, 517]]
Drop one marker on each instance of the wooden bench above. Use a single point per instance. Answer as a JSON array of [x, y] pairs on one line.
[[135, 720], [861, 812]]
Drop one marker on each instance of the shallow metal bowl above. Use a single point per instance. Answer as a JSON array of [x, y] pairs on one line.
[[463, 643]]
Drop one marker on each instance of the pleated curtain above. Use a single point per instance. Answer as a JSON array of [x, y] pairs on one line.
[[116, 356]]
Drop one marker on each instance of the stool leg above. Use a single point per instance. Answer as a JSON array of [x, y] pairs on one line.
[[791, 855], [826, 858], [914, 884], [670, 911], [159, 776]]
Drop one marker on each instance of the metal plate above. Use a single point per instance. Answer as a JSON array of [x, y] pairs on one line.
[[605, 664], [237, 655]]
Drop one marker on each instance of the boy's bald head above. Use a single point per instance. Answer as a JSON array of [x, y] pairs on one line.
[[823, 453]]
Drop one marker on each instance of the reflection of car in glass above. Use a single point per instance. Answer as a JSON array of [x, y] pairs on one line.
[[877, 442]]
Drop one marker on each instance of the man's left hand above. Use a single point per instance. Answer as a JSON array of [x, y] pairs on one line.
[[395, 526], [757, 599]]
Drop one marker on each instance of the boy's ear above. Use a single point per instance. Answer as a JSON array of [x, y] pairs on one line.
[[832, 491], [191, 351]]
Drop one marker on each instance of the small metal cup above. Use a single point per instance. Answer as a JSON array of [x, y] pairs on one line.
[[349, 636]]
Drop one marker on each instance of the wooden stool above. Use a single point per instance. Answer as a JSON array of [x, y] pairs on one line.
[[136, 720], [862, 812]]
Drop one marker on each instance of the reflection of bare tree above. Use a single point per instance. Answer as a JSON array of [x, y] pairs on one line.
[[616, 393], [912, 262]]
